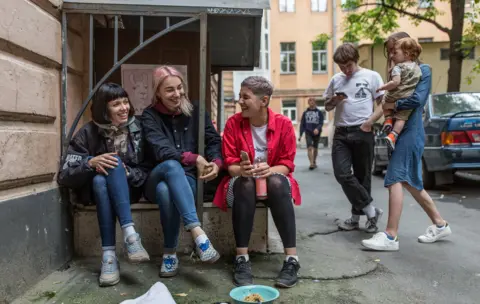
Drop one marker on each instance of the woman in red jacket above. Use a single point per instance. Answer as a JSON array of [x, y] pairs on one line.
[[262, 134]]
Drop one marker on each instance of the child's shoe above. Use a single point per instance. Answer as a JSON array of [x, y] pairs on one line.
[[387, 125], [391, 138]]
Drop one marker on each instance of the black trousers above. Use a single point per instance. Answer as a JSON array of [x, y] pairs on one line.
[[352, 156], [279, 201]]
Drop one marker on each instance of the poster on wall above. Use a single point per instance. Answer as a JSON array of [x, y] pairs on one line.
[[137, 80]]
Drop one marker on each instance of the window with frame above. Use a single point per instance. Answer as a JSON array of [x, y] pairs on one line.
[[319, 58], [289, 109], [266, 51], [287, 58], [318, 5], [469, 54], [287, 6]]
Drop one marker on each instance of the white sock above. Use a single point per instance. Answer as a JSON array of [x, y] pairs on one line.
[[369, 211], [355, 218], [291, 256], [108, 253], [202, 238], [128, 231], [247, 258]]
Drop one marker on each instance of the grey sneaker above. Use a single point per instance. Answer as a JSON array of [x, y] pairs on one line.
[[371, 224], [207, 253], [349, 224], [169, 266], [135, 251], [110, 272]]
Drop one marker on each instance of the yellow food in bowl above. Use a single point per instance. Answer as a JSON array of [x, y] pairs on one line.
[[253, 298]]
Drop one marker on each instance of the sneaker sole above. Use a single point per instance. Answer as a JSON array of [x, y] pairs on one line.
[[134, 261], [380, 248], [278, 284], [168, 274], [108, 283], [348, 228], [241, 285], [212, 260]]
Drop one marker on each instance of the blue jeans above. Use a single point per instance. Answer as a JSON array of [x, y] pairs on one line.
[[173, 191], [112, 196]]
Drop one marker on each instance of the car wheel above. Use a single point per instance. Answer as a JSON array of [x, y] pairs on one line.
[[428, 177], [376, 170]]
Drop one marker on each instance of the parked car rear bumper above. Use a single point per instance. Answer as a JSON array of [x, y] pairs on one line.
[[452, 158]]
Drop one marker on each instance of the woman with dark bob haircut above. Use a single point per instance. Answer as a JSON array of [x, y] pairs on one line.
[[105, 163]]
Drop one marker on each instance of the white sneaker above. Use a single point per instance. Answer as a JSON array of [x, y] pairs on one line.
[[381, 242], [434, 233]]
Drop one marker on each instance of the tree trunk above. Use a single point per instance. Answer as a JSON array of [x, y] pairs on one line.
[[456, 53]]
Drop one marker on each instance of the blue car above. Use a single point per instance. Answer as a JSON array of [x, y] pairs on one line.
[[452, 138]]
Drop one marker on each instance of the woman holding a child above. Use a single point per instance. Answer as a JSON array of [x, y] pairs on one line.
[[409, 88]]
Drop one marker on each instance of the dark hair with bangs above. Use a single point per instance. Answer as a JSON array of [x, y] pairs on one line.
[[107, 92]]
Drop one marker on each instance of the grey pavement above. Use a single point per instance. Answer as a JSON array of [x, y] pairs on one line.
[[335, 268]]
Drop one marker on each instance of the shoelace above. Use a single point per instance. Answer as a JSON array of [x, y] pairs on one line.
[[135, 246], [108, 267], [430, 232], [289, 266], [242, 266]]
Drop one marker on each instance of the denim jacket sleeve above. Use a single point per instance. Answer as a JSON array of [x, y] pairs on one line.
[[213, 142], [420, 96]]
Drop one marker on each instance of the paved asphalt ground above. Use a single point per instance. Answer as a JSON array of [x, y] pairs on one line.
[[335, 267]]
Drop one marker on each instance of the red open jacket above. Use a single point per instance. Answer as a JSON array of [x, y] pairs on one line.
[[281, 147]]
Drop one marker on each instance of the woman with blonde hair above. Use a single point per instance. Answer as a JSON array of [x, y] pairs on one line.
[[170, 126]]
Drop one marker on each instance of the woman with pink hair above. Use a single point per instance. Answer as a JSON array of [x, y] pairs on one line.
[[170, 125]]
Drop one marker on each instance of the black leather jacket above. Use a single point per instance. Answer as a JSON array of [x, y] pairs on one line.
[[87, 143]]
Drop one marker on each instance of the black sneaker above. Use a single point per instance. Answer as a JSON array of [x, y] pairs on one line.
[[288, 275], [242, 272], [371, 224]]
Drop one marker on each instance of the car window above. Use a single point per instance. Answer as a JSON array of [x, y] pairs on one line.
[[449, 104]]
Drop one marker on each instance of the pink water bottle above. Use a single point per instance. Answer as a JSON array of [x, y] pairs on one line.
[[260, 182]]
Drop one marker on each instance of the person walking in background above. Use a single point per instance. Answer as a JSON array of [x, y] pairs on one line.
[[311, 125], [352, 92], [405, 167]]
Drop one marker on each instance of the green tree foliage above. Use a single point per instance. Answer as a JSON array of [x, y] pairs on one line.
[[376, 19]]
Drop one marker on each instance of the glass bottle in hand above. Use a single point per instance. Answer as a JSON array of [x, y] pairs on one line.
[[260, 182]]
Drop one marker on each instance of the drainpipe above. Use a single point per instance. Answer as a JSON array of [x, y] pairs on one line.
[[334, 30], [331, 128]]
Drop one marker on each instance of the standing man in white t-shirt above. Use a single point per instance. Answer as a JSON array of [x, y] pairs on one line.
[[352, 94]]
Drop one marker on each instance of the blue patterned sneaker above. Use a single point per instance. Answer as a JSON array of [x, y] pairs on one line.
[[207, 253], [169, 266], [135, 251], [110, 273]]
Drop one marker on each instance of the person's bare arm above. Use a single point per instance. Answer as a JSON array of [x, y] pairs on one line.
[[331, 103], [392, 84], [367, 125]]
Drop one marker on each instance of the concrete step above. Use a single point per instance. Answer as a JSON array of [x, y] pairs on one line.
[[216, 223]]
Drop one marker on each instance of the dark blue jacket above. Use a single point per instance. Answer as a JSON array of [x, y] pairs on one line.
[[311, 120], [168, 137]]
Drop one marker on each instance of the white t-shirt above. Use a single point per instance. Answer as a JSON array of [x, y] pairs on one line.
[[259, 135], [361, 90]]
